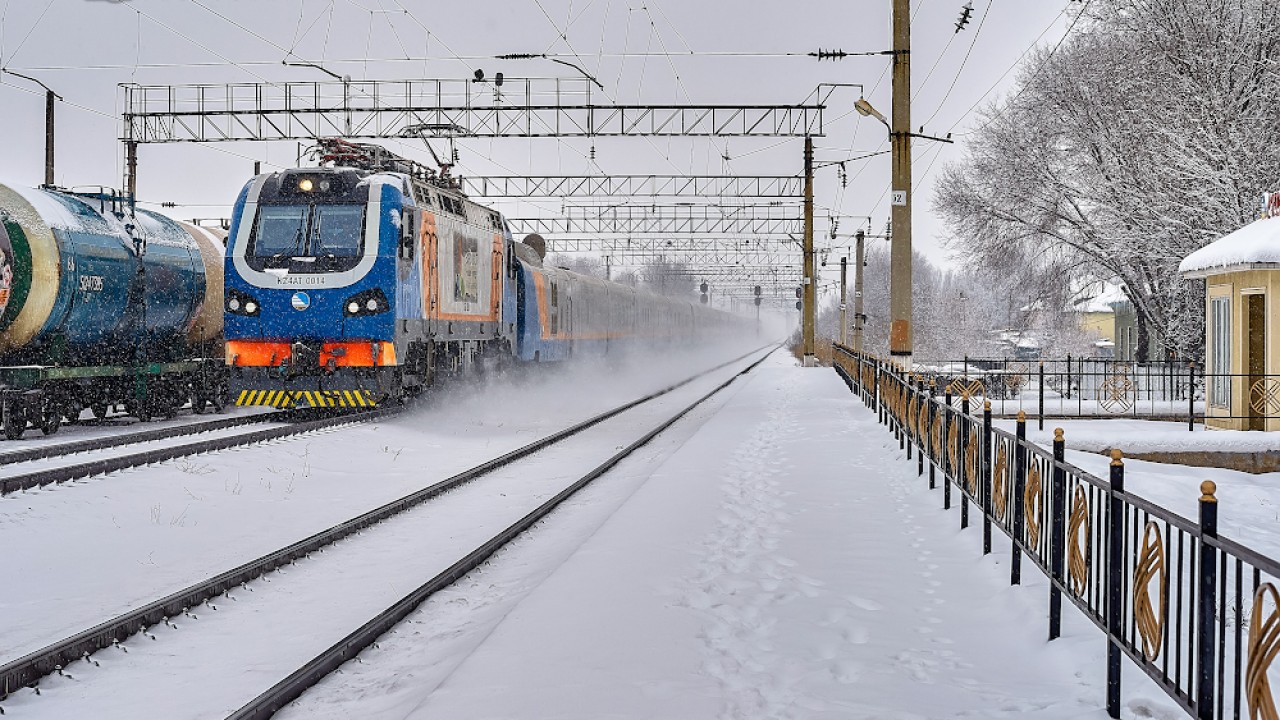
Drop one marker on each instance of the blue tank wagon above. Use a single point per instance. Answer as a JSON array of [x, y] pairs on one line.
[[102, 304]]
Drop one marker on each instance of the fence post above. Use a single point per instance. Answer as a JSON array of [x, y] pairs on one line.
[[1115, 582], [1041, 409], [984, 478], [1018, 507], [922, 427], [875, 390], [1068, 386], [962, 448], [1205, 629], [1191, 395], [908, 396], [933, 413], [1057, 534], [948, 417]]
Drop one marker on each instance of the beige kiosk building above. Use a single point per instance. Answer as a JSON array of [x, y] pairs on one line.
[[1242, 343]]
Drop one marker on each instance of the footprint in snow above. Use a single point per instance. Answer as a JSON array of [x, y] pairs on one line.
[[864, 603]]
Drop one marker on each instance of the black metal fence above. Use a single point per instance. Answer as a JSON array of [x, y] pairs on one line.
[[1198, 613], [1077, 387]]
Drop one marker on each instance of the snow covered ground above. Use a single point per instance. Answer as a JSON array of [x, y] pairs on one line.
[[785, 562], [772, 556]]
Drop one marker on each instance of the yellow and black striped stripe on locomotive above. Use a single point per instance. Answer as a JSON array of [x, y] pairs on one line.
[[307, 398]]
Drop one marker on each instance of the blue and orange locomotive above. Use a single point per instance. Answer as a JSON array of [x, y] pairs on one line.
[[360, 281]]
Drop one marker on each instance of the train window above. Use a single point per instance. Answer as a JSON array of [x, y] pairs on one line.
[[335, 230], [281, 230], [307, 238]]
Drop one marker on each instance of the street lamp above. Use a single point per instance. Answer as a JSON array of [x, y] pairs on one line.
[[49, 97], [865, 110]]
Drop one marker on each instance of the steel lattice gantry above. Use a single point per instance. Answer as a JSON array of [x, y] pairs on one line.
[[742, 220], [612, 186], [432, 108], [727, 252]]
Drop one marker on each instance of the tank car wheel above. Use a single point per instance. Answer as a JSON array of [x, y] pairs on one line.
[[50, 418], [220, 398], [14, 422], [99, 410], [199, 404], [142, 411], [73, 410]]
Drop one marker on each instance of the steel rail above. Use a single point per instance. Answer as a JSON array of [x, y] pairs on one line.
[[28, 669], [39, 478], [45, 451], [291, 688]]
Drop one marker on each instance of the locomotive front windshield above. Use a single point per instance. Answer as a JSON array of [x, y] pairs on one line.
[[307, 238]]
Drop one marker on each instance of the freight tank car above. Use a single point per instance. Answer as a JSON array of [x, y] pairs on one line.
[[101, 305]]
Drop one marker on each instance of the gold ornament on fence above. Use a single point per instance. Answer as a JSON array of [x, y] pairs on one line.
[[1079, 538], [965, 389], [912, 414], [1032, 508], [999, 481], [1151, 566], [1115, 393], [971, 457], [937, 436], [1264, 396], [1264, 645], [953, 444]]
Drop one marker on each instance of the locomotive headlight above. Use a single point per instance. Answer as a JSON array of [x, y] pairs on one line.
[[369, 302], [306, 185], [242, 303]]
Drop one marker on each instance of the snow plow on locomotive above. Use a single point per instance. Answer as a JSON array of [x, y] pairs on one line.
[[104, 305], [360, 281]]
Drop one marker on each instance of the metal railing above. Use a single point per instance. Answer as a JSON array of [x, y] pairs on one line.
[[1077, 387], [1196, 612]]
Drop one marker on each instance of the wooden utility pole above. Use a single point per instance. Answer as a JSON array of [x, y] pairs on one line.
[[859, 262], [900, 330], [810, 283]]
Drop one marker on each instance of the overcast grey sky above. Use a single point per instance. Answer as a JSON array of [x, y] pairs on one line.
[[84, 48]]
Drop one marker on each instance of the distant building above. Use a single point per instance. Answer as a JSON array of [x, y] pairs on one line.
[[1126, 334], [1242, 274]]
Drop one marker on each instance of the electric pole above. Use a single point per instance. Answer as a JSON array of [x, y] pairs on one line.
[[844, 269], [810, 285], [900, 330], [858, 262]]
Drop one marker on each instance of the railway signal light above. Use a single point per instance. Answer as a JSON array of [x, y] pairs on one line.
[[798, 304], [799, 293], [703, 288], [757, 292], [758, 301], [704, 298]]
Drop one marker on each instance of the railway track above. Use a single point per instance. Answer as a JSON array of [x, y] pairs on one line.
[[15, 477], [28, 670]]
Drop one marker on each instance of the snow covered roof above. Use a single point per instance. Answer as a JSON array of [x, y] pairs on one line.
[[1254, 246]]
